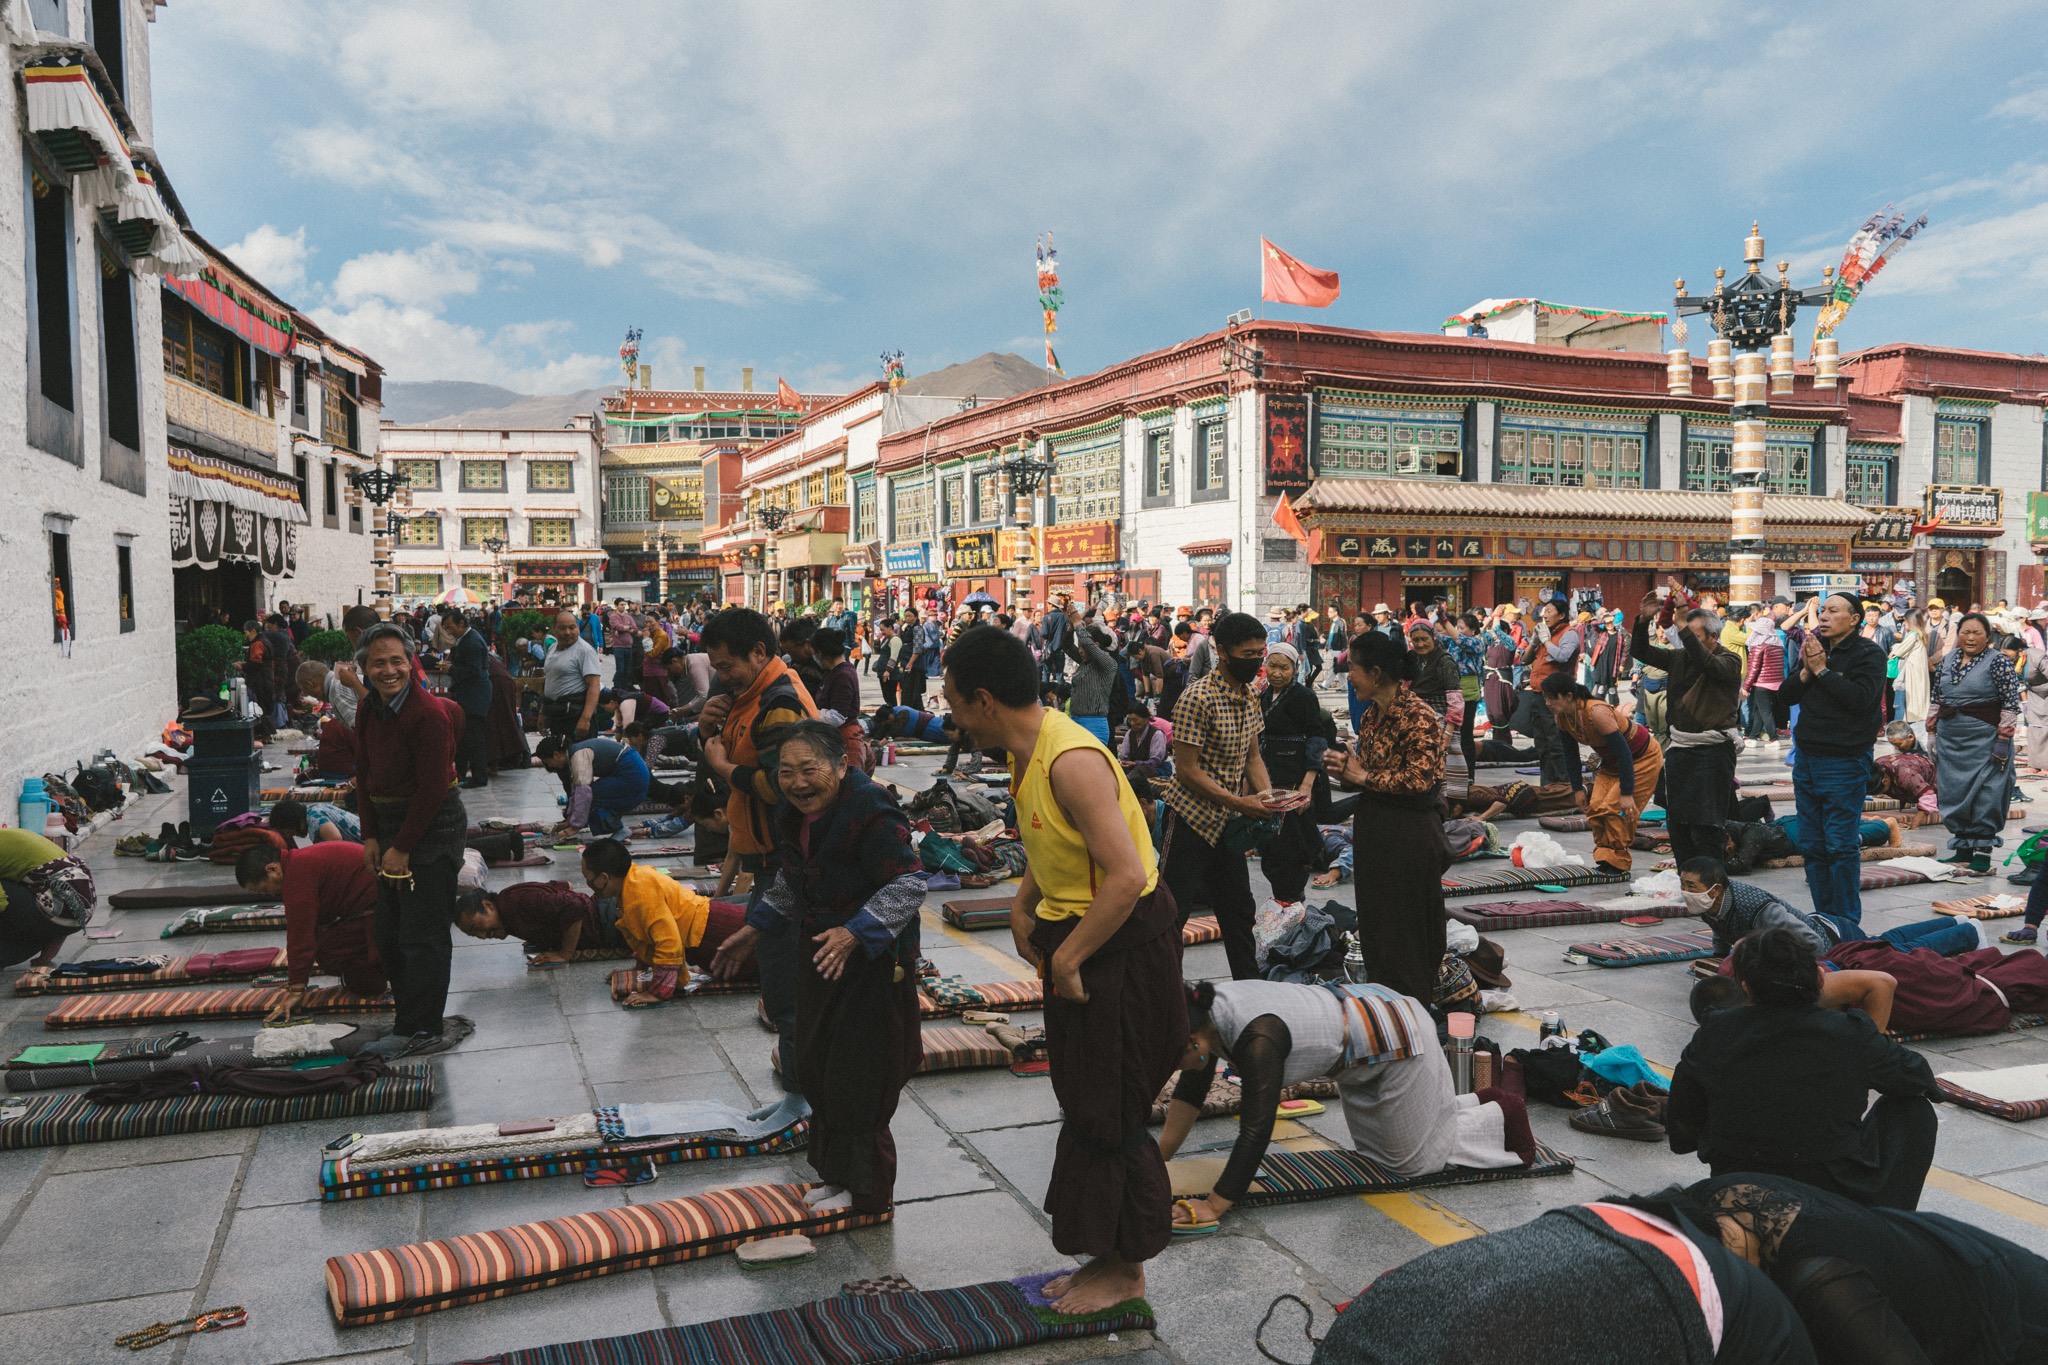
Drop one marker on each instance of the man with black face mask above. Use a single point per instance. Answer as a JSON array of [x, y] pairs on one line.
[[1217, 775]]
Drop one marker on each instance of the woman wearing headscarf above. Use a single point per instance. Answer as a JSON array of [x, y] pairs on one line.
[[2034, 704], [1977, 709], [1907, 663], [1630, 762], [1398, 770], [1436, 677], [1297, 731], [846, 876]]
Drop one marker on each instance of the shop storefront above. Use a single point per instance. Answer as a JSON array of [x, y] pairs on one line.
[[970, 562], [1209, 561], [1882, 552], [688, 575], [234, 535], [1081, 560], [854, 579], [1956, 555], [552, 582], [911, 580]]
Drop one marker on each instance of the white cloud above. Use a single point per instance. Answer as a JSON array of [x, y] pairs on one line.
[[412, 343], [426, 277], [276, 259]]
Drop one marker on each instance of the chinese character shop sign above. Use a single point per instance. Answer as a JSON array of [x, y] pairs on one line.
[[971, 554], [1083, 542]]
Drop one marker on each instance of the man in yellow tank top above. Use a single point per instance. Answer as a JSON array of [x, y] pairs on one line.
[[1094, 918]]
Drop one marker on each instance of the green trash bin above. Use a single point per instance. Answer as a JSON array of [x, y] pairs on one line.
[[218, 789]]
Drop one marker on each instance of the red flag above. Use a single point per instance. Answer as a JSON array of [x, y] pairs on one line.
[[788, 397], [1282, 279], [1284, 518]]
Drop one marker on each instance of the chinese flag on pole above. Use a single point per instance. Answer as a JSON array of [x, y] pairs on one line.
[[1282, 279], [788, 397], [1286, 520]]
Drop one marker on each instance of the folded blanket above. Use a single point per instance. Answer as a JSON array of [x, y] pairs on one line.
[[172, 971], [58, 1120]]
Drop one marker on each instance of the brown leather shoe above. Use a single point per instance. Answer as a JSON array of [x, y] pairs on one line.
[[1624, 1114]]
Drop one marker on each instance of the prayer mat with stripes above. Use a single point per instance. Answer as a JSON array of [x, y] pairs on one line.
[[227, 920], [1638, 952], [172, 973], [1549, 914], [1516, 878], [949, 1047], [622, 986], [1289, 1177], [56, 1120], [1982, 907], [2012, 1110], [2018, 1023], [107, 1011], [379, 1286]]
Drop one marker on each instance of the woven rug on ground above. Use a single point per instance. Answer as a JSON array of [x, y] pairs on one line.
[[379, 1286], [108, 1011], [989, 912], [1639, 952], [1515, 878], [1877, 876], [901, 1327], [2016, 1093], [176, 972], [1200, 929], [574, 1148], [622, 986], [1294, 1177], [1881, 854], [1548, 914], [226, 920], [1568, 824], [1982, 907], [178, 897], [55, 1120]]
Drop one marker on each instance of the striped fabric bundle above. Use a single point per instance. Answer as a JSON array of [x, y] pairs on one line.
[[379, 1286], [988, 912], [1497, 915], [949, 1047], [1517, 878], [1009, 994], [56, 1120], [2012, 1110], [178, 897], [107, 1011], [227, 920], [1876, 877], [1982, 907], [172, 973], [1200, 929], [1380, 1025], [1638, 952], [339, 1180], [1289, 1177]]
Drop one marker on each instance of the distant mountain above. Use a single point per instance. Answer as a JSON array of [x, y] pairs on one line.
[[995, 374], [411, 404], [451, 403]]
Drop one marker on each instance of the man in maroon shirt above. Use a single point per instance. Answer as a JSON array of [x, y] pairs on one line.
[[413, 830], [552, 919], [330, 905]]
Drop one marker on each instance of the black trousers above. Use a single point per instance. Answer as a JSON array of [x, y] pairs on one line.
[[1901, 1129], [470, 751], [912, 690], [1697, 841], [1197, 870], [561, 716], [413, 918], [1533, 719], [778, 955]]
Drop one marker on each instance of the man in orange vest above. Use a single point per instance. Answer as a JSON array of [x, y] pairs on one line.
[[762, 697]]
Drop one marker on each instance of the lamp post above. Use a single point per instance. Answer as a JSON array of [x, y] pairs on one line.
[[1753, 317], [379, 485], [772, 517], [494, 546], [1022, 476], [658, 541]]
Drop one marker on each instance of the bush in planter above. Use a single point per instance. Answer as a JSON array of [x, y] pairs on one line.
[[204, 656], [514, 625], [328, 646]]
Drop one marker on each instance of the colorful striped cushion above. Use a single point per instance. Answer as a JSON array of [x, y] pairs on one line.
[[339, 1180], [1547, 914], [1010, 994], [1637, 952], [1516, 878], [989, 912], [950, 1047], [227, 920], [172, 973], [55, 1120], [776, 1337], [941, 1325], [1981, 907], [1200, 929], [379, 1286], [2014, 1111], [1288, 1177], [178, 897], [106, 1011], [1877, 876]]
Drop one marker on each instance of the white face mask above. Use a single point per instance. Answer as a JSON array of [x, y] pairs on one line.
[[1699, 902]]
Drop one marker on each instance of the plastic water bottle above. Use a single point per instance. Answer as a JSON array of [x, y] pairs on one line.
[[35, 804]]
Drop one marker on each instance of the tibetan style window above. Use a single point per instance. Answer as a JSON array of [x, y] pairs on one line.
[[419, 584], [988, 496], [477, 530], [419, 474], [1869, 477], [1387, 442], [550, 476], [483, 476], [553, 531], [956, 500], [814, 490], [864, 527], [480, 584], [1159, 467], [422, 530], [1091, 474], [910, 510], [1565, 454], [625, 497], [1709, 454], [835, 487], [1210, 469], [1959, 450]]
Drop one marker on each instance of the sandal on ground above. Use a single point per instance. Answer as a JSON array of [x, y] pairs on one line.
[[1192, 1228], [2026, 933]]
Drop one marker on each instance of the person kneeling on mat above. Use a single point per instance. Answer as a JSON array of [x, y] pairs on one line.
[[607, 781], [1781, 1086], [330, 914], [1391, 1075], [45, 893], [649, 912]]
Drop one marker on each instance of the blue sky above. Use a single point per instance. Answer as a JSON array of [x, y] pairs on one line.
[[497, 191]]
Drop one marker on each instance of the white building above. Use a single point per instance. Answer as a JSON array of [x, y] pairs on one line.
[[85, 525], [534, 492]]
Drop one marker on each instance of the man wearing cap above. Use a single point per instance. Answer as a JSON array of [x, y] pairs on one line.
[[1941, 631]]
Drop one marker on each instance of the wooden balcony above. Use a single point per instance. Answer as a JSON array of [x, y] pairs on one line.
[[189, 405]]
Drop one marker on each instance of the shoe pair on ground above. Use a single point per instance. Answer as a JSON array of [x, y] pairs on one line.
[[1635, 1112]]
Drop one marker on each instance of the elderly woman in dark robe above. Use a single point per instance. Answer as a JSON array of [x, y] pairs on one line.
[[845, 873], [1976, 711]]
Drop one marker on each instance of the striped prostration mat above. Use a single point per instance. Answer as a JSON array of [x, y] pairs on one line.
[[994, 913], [948, 1047], [1982, 907], [2013, 1110], [378, 1286], [1289, 1177], [226, 920], [622, 986], [1638, 952], [172, 973], [55, 1120], [1497, 915], [341, 1180], [178, 897], [108, 1011], [1520, 878]]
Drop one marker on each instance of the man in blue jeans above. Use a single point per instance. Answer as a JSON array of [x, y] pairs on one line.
[[1836, 688]]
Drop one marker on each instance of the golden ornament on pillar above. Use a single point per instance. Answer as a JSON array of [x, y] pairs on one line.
[[1747, 517], [1746, 455], [1827, 363], [1678, 371], [1750, 385], [1781, 365], [1746, 580], [1753, 248], [1720, 368]]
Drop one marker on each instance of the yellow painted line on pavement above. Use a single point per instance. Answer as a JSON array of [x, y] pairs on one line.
[[1424, 1217], [1011, 966], [1989, 1196]]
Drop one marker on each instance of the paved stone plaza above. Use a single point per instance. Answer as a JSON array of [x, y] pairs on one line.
[[101, 1239]]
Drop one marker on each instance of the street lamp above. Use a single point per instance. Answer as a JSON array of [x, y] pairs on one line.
[[658, 541], [494, 546], [772, 517], [379, 485], [1753, 316], [1022, 476]]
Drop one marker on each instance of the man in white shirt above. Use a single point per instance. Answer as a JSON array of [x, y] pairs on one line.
[[570, 680]]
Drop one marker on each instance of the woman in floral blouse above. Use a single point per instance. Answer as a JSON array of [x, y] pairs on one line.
[[1398, 770]]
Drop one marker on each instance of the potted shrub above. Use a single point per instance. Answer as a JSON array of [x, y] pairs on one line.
[[204, 657]]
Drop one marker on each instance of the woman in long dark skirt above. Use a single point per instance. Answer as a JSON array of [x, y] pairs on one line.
[[846, 873], [1976, 712], [1398, 830], [1297, 730], [504, 736]]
